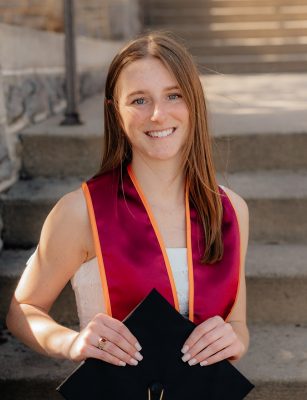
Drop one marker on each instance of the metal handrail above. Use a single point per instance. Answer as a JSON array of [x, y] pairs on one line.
[[71, 114]]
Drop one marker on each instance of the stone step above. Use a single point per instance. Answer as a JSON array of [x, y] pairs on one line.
[[210, 16], [277, 200], [232, 133], [276, 276], [253, 63], [196, 9], [242, 46], [227, 4], [50, 150], [190, 31], [252, 42], [242, 26], [32, 200], [275, 363], [203, 50], [254, 68], [276, 283]]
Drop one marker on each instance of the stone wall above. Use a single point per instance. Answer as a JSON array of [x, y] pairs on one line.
[[37, 14], [32, 85], [5, 156], [104, 19]]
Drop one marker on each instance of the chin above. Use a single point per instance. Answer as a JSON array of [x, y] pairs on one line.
[[164, 157]]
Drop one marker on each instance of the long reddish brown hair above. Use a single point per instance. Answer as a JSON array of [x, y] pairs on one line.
[[198, 163]]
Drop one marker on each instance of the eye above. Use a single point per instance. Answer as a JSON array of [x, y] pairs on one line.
[[175, 96], [138, 101]]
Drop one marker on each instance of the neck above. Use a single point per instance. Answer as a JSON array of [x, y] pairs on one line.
[[162, 182]]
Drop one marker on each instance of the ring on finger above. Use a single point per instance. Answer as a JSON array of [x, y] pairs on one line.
[[102, 342]]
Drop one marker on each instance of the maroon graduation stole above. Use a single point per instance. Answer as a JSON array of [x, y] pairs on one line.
[[132, 258]]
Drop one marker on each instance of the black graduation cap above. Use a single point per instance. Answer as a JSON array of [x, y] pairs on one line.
[[161, 375]]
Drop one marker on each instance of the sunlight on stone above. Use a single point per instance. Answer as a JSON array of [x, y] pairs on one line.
[[286, 355]]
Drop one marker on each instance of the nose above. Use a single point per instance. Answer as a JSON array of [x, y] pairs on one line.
[[158, 113]]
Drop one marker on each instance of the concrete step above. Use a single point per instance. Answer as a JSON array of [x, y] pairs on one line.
[[210, 16], [254, 68], [202, 50], [242, 46], [226, 4], [50, 150], [29, 372], [242, 25], [276, 276], [276, 283], [190, 31], [275, 363], [83, 160], [277, 201], [214, 11], [252, 42], [32, 200], [253, 63]]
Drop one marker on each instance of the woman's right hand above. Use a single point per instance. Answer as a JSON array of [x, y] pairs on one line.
[[121, 347]]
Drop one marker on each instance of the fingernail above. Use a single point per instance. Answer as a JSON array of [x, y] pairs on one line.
[[186, 357], [193, 361], [185, 349], [122, 363], [138, 346], [138, 356], [203, 363], [133, 361]]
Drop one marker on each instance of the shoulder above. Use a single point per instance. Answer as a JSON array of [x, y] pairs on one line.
[[69, 221], [72, 206], [242, 212], [239, 204]]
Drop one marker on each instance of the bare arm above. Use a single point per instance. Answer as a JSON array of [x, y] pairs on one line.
[[61, 250], [237, 318], [64, 243]]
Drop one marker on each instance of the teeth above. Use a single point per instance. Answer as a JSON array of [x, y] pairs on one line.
[[160, 134]]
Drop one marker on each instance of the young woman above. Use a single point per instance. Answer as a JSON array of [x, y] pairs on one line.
[[153, 216]]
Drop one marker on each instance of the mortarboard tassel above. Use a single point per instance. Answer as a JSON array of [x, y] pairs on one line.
[[155, 388]]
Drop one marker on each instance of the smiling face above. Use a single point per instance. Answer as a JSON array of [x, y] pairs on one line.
[[154, 114]]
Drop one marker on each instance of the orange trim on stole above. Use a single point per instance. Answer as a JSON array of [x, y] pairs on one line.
[[97, 248], [189, 254], [157, 232], [240, 267]]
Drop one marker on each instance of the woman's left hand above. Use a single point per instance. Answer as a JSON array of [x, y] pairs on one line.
[[211, 341]]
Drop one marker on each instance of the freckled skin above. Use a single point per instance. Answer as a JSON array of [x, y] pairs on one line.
[[154, 109]]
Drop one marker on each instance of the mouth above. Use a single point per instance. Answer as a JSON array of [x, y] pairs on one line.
[[160, 134]]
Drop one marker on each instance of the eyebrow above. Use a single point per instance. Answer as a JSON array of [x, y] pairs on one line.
[[144, 92]]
